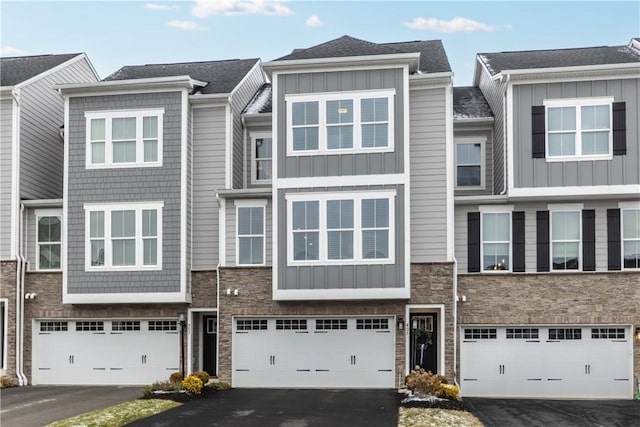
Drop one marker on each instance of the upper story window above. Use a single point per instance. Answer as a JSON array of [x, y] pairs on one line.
[[123, 236], [49, 239], [579, 129], [250, 242], [631, 238], [566, 226], [128, 138], [469, 163], [340, 122], [496, 241], [261, 149], [341, 228]]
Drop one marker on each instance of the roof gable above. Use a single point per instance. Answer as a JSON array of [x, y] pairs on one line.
[[17, 69], [221, 76]]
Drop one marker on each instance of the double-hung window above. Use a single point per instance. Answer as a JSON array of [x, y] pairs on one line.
[[127, 138], [565, 239], [124, 236], [631, 238], [496, 241], [469, 163], [340, 122], [341, 228], [261, 159], [250, 232], [49, 239], [579, 129]]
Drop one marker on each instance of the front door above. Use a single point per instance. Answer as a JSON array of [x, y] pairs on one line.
[[424, 341], [209, 338]]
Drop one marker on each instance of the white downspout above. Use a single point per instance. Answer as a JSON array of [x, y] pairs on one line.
[[244, 152], [504, 136], [20, 274], [455, 321]]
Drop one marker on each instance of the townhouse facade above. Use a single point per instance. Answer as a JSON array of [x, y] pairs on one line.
[[342, 214]]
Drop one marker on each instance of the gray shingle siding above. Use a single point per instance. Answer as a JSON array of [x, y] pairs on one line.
[[530, 172], [124, 185]]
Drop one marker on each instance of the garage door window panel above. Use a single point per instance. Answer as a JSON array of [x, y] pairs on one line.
[[480, 333], [90, 326], [125, 325], [330, 324], [631, 238], [522, 333], [608, 333], [378, 324], [251, 325], [54, 326], [162, 325], [562, 334], [291, 324], [566, 229]]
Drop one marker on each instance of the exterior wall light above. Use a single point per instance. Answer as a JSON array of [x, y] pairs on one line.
[[400, 323], [638, 334]]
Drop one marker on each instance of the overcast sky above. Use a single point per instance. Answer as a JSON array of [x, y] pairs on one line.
[[117, 33]]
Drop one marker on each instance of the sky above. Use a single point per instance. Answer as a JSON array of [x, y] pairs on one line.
[[134, 32]]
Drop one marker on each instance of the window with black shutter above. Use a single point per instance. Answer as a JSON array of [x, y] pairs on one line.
[[542, 240], [588, 240], [473, 242]]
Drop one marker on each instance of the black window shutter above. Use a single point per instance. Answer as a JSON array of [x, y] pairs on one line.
[[517, 219], [473, 245], [537, 132], [588, 240], [619, 129], [613, 239], [542, 240]]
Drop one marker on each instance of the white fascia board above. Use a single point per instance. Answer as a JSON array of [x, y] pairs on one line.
[[473, 120], [434, 80], [568, 193], [131, 85], [43, 203], [246, 193], [486, 199], [298, 65], [341, 181], [214, 99], [573, 69], [135, 297], [340, 294], [6, 91]]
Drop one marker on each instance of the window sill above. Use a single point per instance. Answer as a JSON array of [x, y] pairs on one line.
[[124, 165], [123, 269], [578, 158]]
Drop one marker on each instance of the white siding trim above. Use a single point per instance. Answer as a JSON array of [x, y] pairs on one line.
[[228, 147], [508, 126], [122, 298], [406, 233], [341, 181], [450, 172], [222, 232], [185, 276], [65, 199], [340, 294], [576, 191], [495, 208], [15, 174], [274, 186], [629, 205]]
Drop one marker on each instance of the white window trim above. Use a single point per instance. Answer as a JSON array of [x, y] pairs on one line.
[[254, 159], [107, 208], [483, 143], [578, 103], [322, 99], [252, 204], [574, 207], [628, 206], [108, 145], [41, 213], [508, 209], [357, 197]]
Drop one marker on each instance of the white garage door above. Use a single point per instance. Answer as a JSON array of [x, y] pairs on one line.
[[314, 352], [101, 352], [546, 362]]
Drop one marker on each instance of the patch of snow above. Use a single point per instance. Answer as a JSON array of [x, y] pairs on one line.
[[168, 392], [411, 397]]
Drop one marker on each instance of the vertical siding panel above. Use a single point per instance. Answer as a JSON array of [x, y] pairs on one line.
[[6, 172]]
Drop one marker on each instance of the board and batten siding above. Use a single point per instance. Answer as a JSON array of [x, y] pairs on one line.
[[6, 175], [231, 234], [208, 177], [358, 276], [341, 164], [493, 93], [115, 185], [621, 170], [530, 209], [244, 93], [427, 130], [41, 115]]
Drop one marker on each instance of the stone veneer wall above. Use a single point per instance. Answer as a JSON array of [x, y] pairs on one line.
[[605, 298], [431, 284], [8, 291]]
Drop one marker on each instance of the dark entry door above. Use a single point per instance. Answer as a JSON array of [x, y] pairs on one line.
[[424, 341], [209, 338]]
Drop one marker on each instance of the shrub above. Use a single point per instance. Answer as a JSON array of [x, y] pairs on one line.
[[166, 386], [420, 381], [192, 384], [6, 382], [204, 376], [176, 377], [218, 386], [448, 391]]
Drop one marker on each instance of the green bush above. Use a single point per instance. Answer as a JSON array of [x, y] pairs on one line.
[[192, 384], [424, 382], [218, 386], [165, 386], [176, 377], [6, 382], [204, 376]]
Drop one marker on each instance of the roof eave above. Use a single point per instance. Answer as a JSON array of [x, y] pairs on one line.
[[582, 69], [6, 90], [171, 82], [212, 98], [413, 59], [473, 120]]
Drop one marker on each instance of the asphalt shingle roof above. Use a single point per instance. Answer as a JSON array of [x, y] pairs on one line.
[[221, 76], [17, 69], [261, 101], [470, 103], [433, 58], [524, 60]]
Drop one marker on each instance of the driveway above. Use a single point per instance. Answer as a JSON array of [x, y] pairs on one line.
[[35, 406], [284, 408], [545, 413]]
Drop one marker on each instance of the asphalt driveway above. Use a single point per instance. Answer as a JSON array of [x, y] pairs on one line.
[[35, 406], [545, 413], [284, 408]]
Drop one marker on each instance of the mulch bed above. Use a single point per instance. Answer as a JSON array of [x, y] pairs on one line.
[[456, 405]]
